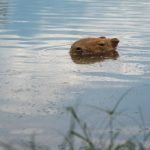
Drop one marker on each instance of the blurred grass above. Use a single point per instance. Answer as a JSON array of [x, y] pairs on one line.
[[81, 137]]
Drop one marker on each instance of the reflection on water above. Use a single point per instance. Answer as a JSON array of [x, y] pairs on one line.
[[90, 59], [37, 75], [3, 11]]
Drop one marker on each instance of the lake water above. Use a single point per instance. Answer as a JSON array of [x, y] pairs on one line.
[[38, 77]]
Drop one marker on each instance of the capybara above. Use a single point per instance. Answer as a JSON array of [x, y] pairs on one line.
[[88, 50]]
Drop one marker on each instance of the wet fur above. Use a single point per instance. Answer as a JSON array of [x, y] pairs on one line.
[[94, 49]]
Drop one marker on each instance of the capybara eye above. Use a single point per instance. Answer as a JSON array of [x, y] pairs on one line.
[[101, 44]]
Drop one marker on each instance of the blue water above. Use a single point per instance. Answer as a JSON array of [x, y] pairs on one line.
[[38, 78]]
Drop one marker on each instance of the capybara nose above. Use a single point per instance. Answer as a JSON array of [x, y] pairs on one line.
[[78, 49]]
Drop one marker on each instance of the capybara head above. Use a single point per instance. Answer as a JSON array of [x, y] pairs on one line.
[[100, 47]]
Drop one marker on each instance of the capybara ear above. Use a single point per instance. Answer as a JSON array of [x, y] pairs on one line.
[[114, 42]]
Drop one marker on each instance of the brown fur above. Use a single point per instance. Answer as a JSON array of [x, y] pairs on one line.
[[100, 46], [89, 50]]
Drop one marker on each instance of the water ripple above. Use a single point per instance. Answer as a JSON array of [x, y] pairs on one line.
[[37, 74]]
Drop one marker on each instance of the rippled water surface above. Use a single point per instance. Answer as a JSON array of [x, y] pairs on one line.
[[38, 77]]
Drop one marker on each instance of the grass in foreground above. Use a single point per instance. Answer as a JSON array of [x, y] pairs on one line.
[[81, 136]]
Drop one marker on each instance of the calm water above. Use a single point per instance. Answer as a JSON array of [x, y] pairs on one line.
[[38, 78]]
